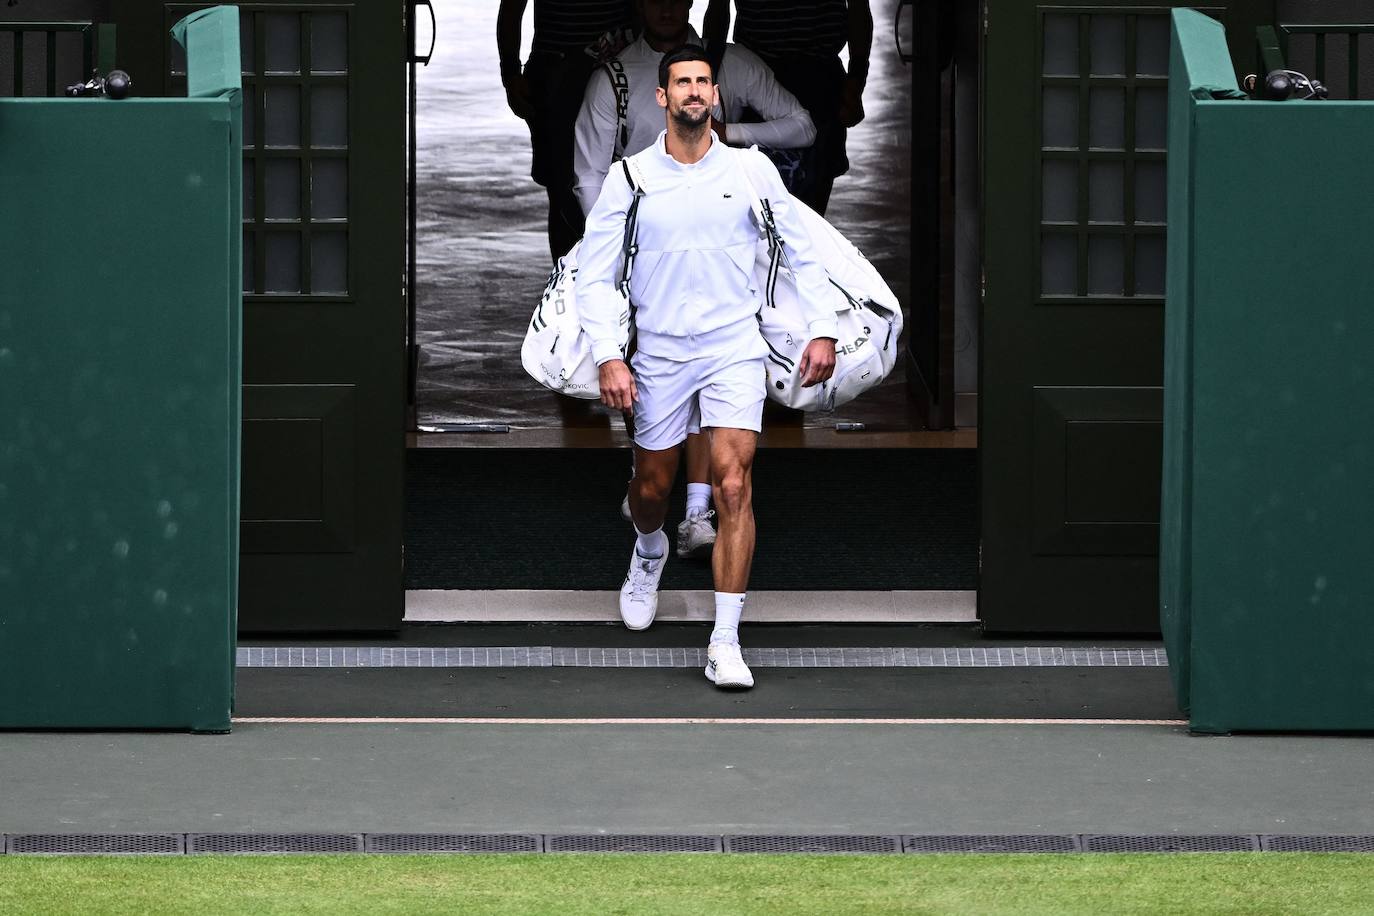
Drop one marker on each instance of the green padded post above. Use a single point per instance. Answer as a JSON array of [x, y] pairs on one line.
[[1199, 67], [211, 40], [1269, 452], [119, 368]]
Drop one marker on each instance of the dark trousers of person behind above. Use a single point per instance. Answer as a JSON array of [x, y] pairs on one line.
[[818, 84], [557, 83]]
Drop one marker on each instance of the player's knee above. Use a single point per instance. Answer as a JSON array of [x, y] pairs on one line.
[[653, 486], [732, 492]]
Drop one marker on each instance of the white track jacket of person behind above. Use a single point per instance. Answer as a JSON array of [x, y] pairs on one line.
[[693, 286], [745, 80]]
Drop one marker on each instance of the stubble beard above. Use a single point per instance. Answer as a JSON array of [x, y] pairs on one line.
[[691, 127]]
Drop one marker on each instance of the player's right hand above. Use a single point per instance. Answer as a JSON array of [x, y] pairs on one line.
[[518, 97], [618, 390]]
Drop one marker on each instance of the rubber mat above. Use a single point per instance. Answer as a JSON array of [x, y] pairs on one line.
[[841, 519]]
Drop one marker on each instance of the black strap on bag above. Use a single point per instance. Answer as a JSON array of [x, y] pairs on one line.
[[630, 245], [629, 248]]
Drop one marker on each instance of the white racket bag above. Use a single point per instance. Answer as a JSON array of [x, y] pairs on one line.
[[870, 317], [556, 351]]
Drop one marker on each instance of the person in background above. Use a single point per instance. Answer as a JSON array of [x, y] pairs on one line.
[[547, 91], [620, 121], [801, 41]]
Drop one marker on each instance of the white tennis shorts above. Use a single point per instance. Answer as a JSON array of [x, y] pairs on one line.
[[678, 397]]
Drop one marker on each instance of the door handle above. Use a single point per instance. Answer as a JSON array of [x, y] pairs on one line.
[[415, 56], [905, 56]]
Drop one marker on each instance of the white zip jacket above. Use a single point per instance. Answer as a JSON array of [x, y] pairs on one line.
[[744, 80], [693, 283]]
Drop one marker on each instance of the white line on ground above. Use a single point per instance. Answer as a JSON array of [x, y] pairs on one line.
[[478, 720]]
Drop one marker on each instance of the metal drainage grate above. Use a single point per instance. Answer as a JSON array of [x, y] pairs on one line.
[[1289, 843], [813, 843], [1000, 842], [631, 842], [1171, 843], [263, 843], [452, 842], [103, 844]]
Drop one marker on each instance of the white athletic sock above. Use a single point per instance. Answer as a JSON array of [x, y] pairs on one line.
[[729, 607], [698, 498], [651, 546]]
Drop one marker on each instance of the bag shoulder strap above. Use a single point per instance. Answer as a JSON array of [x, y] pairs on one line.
[[629, 246], [762, 209], [763, 215]]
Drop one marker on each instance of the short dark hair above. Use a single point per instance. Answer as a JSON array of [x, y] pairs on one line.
[[681, 55]]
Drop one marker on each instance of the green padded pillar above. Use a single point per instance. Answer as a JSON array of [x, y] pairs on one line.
[[119, 403], [1267, 587]]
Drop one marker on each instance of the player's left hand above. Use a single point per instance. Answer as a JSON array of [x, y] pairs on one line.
[[817, 362]]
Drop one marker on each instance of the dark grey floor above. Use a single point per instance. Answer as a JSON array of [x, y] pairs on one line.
[[1079, 693], [687, 778]]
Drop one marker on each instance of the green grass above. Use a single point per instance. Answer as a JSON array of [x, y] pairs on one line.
[[703, 885]]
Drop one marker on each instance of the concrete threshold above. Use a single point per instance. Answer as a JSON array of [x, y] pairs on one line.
[[548, 606]]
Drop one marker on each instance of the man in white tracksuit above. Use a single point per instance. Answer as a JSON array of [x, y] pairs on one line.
[[700, 356], [623, 118]]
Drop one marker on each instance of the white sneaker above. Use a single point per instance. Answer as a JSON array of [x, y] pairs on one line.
[[625, 509], [725, 666], [639, 594], [696, 535]]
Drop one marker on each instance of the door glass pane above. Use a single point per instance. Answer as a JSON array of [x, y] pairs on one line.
[[329, 116], [283, 188], [1151, 119], [283, 262], [249, 186], [1060, 45], [1107, 118], [1059, 127], [248, 262], [283, 42], [1149, 265], [1059, 265], [1106, 266], [283, 104], [1106, 193], [329, 189], [328, 43], [1059, 191], [1151, 197], [246, 37], [1152, 46], [1107, 35], [329, 262], [250, 116]]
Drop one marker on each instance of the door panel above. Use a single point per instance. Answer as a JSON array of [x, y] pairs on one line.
[[324, 310], [1070, 391]]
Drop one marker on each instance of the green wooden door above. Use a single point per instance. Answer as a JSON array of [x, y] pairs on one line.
[[324, 310], [1072, 338]]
